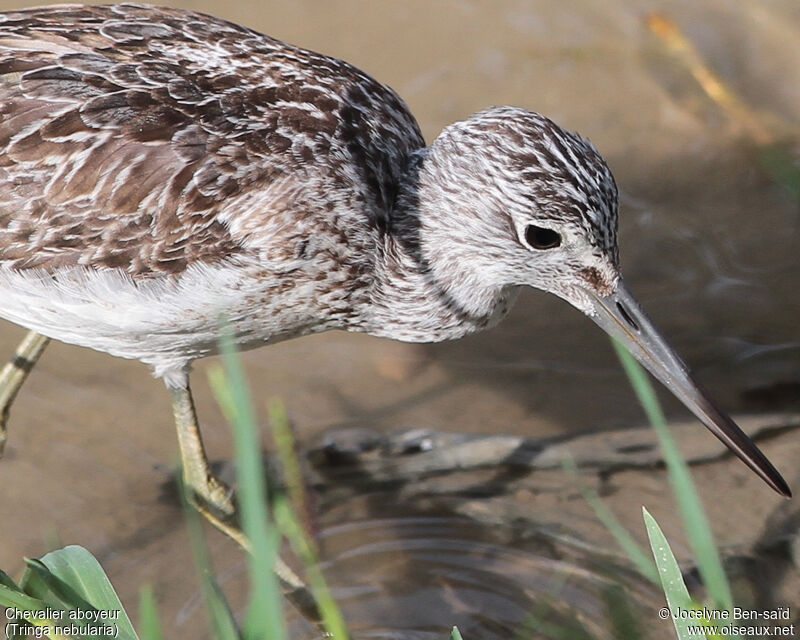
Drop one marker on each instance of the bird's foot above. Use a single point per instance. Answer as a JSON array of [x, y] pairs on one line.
[[217, 495], [214, 500]]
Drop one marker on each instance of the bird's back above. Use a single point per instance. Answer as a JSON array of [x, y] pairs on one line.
[[145, 140]]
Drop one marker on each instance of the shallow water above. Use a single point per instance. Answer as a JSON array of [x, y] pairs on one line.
[[406, 571], [708, 243]]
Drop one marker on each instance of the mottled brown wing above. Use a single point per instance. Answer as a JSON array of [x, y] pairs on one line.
[[128, 133]]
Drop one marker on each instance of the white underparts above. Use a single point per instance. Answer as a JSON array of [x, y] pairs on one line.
[[164, 321]]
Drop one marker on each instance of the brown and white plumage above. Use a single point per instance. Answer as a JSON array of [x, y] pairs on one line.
[[150, 139], [160, 168], [141, 147]]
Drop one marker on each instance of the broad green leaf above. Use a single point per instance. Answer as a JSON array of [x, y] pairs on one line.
[[40, 580], [11, 597], [6, 580], [83, 575]]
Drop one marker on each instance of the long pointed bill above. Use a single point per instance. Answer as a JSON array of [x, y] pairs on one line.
[[621, 317]]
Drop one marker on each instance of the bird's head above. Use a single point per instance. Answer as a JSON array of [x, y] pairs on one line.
[[536, 205]]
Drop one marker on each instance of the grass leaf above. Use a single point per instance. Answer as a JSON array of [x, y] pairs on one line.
[[149, 621], [265, 614], [223, 625], [290, 523], [642, 561], [675, 590], [624, 621], [698, 529]]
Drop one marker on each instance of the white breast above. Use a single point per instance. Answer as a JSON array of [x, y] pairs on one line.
[[163, 321]]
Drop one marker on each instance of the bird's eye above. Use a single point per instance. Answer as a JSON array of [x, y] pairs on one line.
[[541, 237]]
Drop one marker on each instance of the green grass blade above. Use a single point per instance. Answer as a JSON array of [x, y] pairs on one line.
[[538, 628], [223, 625], [624, 621], [694, 517], [455, 634], [265, 614], [285, 445], [675, 590], [289, 522], [149, 620], [536, 624], [641, 560]]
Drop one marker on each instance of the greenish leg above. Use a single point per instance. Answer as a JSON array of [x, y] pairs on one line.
[[206, 490], [214, 500], [14, 374]]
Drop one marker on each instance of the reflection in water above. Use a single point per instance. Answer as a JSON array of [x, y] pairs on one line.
[[413, 578]]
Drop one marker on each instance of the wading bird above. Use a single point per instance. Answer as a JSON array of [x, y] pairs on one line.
[[160, 168]]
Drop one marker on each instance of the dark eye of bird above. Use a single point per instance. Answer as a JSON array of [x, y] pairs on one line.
[[541, 238]]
